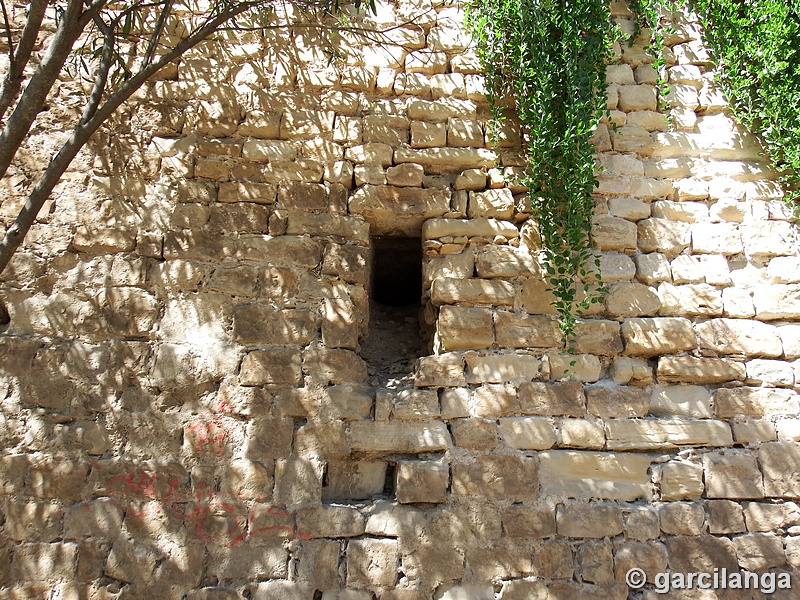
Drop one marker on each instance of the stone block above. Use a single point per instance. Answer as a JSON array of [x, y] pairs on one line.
[[631, 209], [641, 523], [690, 300], [651, 557], [421, 481], [764, 372], [681, 481], [503, 368], [769, 238], [372, 563], [703, 553], [780, 465], [766, 517], [732, 475], [407, 175], [258, 324], [593, 521], [754, 402], [613, 233], [597, 336], [666, 433], [552, 399], [298, 481], [371, 153], [474, 434], [581, 433], [478, 227], [496, 203], [692, 401], [278, 366], [428, 135], [617, 402], [716, 238], [724, 516], [602, 475], [335, 366], [663, 235], [661, 335], [527, 433], [526, 331], [688, 369], [461, 328], [777, 301], [330, 521], [496, 400], [464, 133], [580, 367], [615, 267], [637, 97], [627, 299], [495, 477], [288, 250], [447, 290], [446, 160], [537, 297], [396, 436], [353, 479], [652, 268], [681, 518]]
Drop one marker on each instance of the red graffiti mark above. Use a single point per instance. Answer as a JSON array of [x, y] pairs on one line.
[[210, 433]]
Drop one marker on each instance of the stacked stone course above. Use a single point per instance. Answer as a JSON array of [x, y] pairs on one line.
[[185, 412]]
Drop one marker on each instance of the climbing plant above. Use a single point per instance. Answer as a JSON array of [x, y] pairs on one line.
[[547, 59], [756, 44]]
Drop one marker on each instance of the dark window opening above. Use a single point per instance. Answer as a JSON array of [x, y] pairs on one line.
[[393, 341]]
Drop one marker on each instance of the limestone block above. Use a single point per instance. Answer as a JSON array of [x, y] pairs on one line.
[[790, 337], [238, 218], [777, 301], [663, 235], [399, 436], [498, 203], [386, 129], [729, 336], [441, 370], [238, 281], [652, 268], [637, 97], [772, 373], [692, 401], [597, 336], [440, 110], [330, 521], [426, 62], [248, 479], [581, 433], [633, 371], [724, 516], [687, 269], [628, 299], [269, 150], [616, 402], [664, 433], [651, 557], [552, 399], [461, 328], [688, 369], [780, 464], [754, 402], [632, 138], [287, 250], [513, 368], [421, 481], [621, 74], [650, 189], [474, 434], [769, 238], [372, 563], [613, 233], [353, 479], [698, 299], [659, 335], [688, 212], [495, 400], [716, 238], [258, 324], [446, 160], [615, 267], [754, 431], [369, 174], [394, 210], [581, 367], [495, 477], [759, 551], [428, 135], [471, 179], [631, 209], [733, 474], [788, 430], [260, 124], [407, 175], [247, 191], [537, 298], [371, 153], [298, 481], [527, 433], [737, 303], [406, 404], [306, 124], [620, 164], [582, 520], [450, 84], [526, 331], [648, 120], [302, 196], [681, 481], [472, 291], [478, 227], [704, 553], [464, 133], [334, 365], [506, 261], [278, 366]]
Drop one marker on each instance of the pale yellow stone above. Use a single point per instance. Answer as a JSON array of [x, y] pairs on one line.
[[603, 475], [740, 336]]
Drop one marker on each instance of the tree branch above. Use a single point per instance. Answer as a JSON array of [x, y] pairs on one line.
[[12, 82], [157, 30], [101, 79], [7, 24]]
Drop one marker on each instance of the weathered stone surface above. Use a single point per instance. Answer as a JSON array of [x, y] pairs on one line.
[[421, 481], [472, 291], [628, 299], [597, 336], [754, 402], [279, 366], [580, 520], [691, 401], [497, 203], [442, 370], [502, 368], [780, 465], [298, 481], [613, 233], [462, 328], [769, 238], [330, 521], [740, 336], [406, 437], [662, 235], [703, 553], [734, 474], [777, 301], [525, 331], [759, 551], [478, 227], [651, 557], [681, 481], [664, 335], [392, 210], [617, 402], [446, 160], [513, 478], [259, 324], [724, 516], [353, 479], [690, 300], [688, 369], [372, 563], [282, 250], [681, 518], [557, 399], [665, 433], [496, 400], [578, 474], [527, 433]]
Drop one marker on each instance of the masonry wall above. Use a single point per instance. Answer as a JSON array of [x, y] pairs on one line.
[[185, 412]]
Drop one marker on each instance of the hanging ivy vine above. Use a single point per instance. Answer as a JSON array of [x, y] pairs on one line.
[[547, 60], [757, 48]]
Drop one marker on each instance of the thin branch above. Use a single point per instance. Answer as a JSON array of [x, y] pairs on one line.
[[19, 60], [7, 24], [157, 30], [101, 79]]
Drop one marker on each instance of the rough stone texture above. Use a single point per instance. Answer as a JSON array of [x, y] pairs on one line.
[[609, 476]]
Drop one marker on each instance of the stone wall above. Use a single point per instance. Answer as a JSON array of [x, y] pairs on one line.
[[185, 412]]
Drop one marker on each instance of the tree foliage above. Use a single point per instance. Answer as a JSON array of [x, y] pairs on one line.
[[547, 59]]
